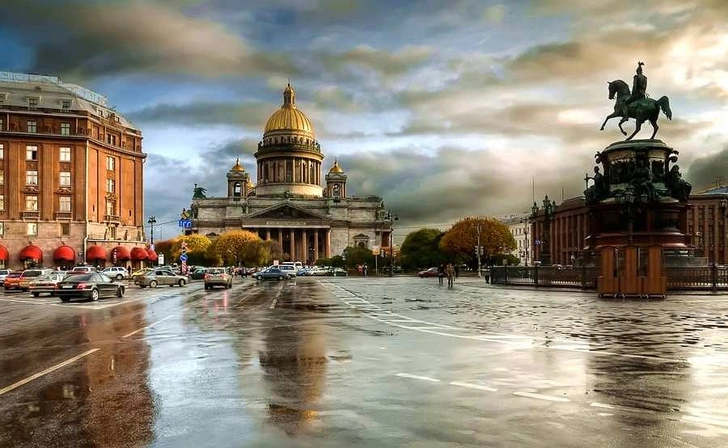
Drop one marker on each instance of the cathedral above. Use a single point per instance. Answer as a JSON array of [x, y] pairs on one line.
[[311, 216]]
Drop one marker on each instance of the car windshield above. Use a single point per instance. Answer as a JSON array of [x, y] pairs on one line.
[[79, 278], [216, 271], [32, 273]]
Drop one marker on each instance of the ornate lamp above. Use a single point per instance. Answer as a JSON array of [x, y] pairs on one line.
[[534, 209]]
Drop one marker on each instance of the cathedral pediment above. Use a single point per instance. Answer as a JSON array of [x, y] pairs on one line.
[[286, 211]]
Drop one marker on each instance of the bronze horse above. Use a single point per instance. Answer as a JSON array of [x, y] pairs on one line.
[[641, 110]]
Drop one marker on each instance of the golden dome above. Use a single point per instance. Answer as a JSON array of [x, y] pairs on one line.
[[336, 169], [288, 117], [238, 167]]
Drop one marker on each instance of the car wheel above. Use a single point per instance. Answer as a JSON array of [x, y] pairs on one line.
[[94, 294], [153, 284], [65, 299], [119, 277], [120, 292], [182, 283], [229, 285], [280, 277], [35, 294]]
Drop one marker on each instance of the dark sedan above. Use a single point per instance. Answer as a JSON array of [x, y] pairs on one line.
[[270, 273], [90, 286]]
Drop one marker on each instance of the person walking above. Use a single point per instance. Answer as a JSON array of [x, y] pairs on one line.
[[450, 272], [365, 270], [440, 273]]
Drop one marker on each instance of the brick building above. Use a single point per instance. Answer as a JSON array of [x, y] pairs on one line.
[[71, 176], [567, 227]]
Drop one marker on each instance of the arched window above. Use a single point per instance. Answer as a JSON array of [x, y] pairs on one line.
[[237, 190]]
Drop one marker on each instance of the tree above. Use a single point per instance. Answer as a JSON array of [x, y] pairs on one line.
[[421, 249], [238, 247], [164, 247], [197, 246], [275, 251], [356, 256], [459, 242]]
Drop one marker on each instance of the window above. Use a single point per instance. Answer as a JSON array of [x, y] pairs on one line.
[[2, 177], [32, 102], [2, 202], [65, 155], [31, 178], [110, 163], [110, 207], [64, 204], [66, 105], [31, 153], [65, 229], [65, 179], [110, 186], [31, 203], [32, 229], [2, 228], [65, 129], [1, 125], [32, 126], [2, 152]]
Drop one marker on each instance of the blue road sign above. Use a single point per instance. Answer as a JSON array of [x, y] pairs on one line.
[[183, 258], [185, 223]]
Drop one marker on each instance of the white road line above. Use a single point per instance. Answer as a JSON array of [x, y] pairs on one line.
[[148, 326], [46, 371], [540, 396], [273, 303], [418, 377], [622, 408], [473, 386], [707, 420]]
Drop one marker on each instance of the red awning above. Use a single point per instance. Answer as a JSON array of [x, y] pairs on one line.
[[4, 254], [139, 254], [152, 255], [95, 253], [31, 253], [120, 253], [64, 253]]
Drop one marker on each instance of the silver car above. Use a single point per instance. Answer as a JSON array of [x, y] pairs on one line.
[[160, 277]]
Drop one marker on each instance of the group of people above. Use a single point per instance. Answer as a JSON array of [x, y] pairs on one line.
[[447, 270]]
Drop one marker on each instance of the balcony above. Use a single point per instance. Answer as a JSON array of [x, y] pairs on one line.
[[63, 215], [30, 214], [112, 218]]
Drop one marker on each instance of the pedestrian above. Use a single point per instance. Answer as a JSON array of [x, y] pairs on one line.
[[440, 273], [450, 272], [365, 270], [457, 271]]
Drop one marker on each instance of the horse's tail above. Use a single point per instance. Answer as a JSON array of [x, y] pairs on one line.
[[664, 104]]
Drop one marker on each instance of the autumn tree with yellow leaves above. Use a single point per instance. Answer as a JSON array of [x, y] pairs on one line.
[[239, 247], [460, 241]]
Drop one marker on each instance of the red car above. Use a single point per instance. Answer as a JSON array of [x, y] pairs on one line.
[[432, 272], [12, 281]]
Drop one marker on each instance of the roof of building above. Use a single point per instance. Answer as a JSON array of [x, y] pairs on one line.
[[50, 93], [237, 167], [336, 169], [289, 117], [719, 189]]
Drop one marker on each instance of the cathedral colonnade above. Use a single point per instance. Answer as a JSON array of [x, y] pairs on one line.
[[304, 244]]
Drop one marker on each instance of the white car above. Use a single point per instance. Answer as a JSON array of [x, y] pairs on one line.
[[289, 269], [3, 273], [116, 272]]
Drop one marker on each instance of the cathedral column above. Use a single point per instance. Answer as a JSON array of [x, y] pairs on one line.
[[305, 246], [292, 252], [315, 245], [327, 249], [267, 234], [280, 237]]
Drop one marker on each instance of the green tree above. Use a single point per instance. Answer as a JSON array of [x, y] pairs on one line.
[[356, 256], [421, 249], [459, 242]]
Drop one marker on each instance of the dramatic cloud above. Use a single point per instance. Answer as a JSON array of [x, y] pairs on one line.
[[205, 113]]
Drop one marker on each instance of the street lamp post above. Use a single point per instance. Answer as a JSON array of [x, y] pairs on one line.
[[391, 217], [152, 220], [526, 249]]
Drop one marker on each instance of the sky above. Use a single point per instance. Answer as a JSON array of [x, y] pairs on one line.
[[445, 109]]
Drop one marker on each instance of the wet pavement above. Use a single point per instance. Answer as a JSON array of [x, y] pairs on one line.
[[376, 362]]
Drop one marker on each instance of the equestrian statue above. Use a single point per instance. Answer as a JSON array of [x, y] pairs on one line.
[[636, 104]]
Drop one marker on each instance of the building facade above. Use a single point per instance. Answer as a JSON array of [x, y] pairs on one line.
[[310, 215], [565, 228], [520, 228], [71, 176]]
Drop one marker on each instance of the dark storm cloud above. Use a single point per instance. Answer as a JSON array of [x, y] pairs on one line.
[[204, 113], [708, 169]]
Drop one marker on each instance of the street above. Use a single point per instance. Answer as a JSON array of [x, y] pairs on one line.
[[352, 361]]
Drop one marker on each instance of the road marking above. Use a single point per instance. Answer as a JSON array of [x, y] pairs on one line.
[[622, 408], [418, 377], [273, 304], [46, 371], [148, 326], [708, 420], [540, 396], [473, 386]]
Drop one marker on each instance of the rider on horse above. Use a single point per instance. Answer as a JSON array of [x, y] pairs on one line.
[[639, 89]]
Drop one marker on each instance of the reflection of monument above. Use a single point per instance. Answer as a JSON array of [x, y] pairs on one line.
[[638, 205], [294, 362]]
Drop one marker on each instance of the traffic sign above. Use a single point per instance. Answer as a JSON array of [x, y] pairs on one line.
[[183, 258], [185, 223]]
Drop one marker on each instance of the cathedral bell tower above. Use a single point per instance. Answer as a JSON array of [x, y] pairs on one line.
[[239, 184], [336, 182]]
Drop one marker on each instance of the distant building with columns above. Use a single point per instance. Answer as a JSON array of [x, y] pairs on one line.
[[311, 216]]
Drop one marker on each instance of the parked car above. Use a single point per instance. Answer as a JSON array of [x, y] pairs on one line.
[[116, 272], [46, 284], [199, 274], [271, 273], [90, 285], [288, 269], [338, 272], [81, 270], [218, 277], [28, 275], [12, 281], [432, 272], [159, 277], [319, 271], [3, 273]]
